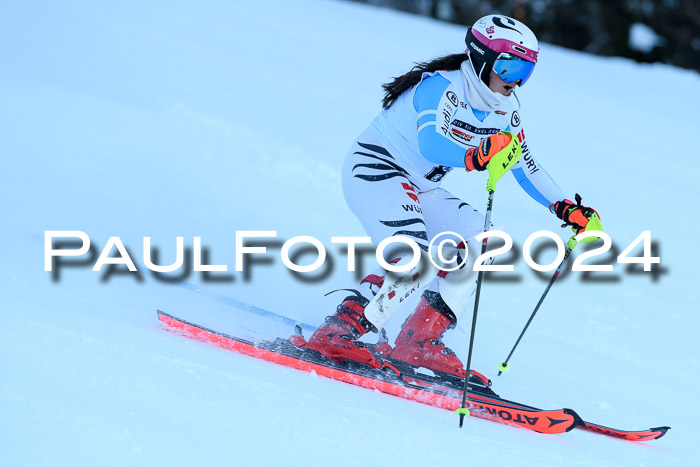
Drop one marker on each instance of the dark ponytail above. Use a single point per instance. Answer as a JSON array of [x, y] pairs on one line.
[[399, 85]]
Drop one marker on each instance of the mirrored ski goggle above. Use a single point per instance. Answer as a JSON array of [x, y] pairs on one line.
[[511, 68]]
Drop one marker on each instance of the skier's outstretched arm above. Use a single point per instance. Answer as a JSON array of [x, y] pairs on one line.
[[541, 187]]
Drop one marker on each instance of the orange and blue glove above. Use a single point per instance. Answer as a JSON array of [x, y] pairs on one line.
[[575, 215], [478, 158]]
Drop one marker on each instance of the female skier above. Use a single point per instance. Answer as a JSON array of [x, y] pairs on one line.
[[455, 111]]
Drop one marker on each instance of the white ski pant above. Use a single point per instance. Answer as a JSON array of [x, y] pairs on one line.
[[385, 200]]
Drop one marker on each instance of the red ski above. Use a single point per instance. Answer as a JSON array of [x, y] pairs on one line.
[[482, 403]]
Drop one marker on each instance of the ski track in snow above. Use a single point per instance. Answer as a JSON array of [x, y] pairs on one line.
[[161, 120]]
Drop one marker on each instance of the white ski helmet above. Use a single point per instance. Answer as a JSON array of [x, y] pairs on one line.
[[504, 45]]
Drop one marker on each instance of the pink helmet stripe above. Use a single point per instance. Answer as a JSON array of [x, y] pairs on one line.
[[504, 45]]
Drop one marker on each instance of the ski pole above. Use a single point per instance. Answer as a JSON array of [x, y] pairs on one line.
[[463, 411], [498, 166], [503, 367]]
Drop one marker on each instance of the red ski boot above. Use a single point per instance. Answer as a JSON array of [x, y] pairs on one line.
[[419, 341], [338, 337]]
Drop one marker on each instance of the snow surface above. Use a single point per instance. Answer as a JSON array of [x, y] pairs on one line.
[[168, 119]]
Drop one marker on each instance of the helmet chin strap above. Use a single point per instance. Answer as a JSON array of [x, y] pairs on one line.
[[480, 76]]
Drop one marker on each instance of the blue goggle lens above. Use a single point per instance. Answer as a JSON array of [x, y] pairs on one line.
[[511, 68]]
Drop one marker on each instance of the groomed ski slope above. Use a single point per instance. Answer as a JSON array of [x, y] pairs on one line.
[[163, 120]]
